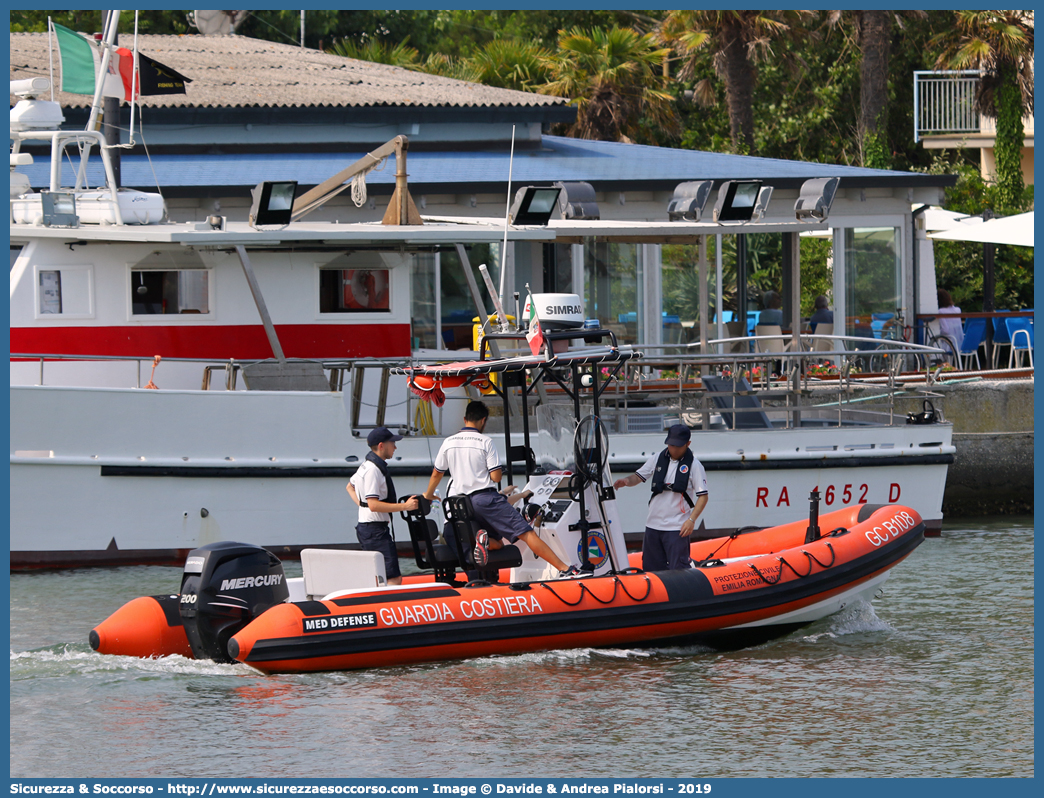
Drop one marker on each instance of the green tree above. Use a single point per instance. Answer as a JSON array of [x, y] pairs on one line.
[[738, 39], [611, 74], [1000, 45], [378, 51], [959, 264]]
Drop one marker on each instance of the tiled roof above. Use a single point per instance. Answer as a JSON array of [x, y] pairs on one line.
[[231, 71]]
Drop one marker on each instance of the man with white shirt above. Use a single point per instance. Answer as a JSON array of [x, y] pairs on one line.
[[474, 465], [371, 487], [679, 494]]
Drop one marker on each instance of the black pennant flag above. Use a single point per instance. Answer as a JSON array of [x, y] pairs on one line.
[[155, 78]]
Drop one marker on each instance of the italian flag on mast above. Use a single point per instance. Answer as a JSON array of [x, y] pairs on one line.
[[81, 62], [535, 336]]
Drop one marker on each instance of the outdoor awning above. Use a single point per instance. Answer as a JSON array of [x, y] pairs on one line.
[[1016, 230]]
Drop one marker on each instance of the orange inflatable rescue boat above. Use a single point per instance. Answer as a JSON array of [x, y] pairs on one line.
[[746, 588]]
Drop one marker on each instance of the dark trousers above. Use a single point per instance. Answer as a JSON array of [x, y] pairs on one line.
[[376, 536], [663, 551]]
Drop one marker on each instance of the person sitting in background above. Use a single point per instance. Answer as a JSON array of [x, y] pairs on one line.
[[952, 328], [772, 313], [822, 313]]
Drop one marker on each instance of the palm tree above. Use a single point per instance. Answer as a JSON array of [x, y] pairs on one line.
[[738, 40], [1000, 45], [378, 51], [612, 77], [873, 33], [511, 64]]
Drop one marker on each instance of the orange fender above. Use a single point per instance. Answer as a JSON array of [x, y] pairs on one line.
[[149, 626]]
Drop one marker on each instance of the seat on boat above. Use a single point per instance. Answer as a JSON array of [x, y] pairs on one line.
[[329, 570], [461, 516], [428, 553], [749, 414]]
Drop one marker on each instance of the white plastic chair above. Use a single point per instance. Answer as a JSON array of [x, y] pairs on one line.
[[821, 344], [764, 344]]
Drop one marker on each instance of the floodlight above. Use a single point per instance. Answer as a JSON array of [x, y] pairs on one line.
[[273, 202], [577, 201], [764, 196], [59, 209], [534, 204], [689, 200], [815, 198], [736, 200]]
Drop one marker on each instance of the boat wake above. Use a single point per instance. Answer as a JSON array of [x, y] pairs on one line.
[[857, 618], [70, 660]]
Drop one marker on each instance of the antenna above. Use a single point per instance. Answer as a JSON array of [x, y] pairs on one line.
[[507, 213]]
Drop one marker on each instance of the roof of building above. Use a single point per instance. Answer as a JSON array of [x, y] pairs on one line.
[[238, 71], [609, 166]]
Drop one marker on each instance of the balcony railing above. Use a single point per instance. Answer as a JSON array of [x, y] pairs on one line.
[[944, 102]]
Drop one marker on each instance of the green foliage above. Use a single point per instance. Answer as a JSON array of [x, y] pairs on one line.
[[378, 51], [875, 155], [611, 75], [1008, 149], [959, 264]]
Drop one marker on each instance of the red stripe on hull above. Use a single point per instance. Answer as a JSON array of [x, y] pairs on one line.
[[216, 342]]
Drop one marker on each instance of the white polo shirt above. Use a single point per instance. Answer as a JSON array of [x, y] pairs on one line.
[[369, 483], [469, 457], [668, 511]]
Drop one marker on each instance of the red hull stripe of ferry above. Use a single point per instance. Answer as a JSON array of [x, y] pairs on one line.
[[218, 342]]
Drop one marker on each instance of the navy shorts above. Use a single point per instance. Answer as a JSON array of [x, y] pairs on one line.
[[498, 517], [663, 551], [376, 536]]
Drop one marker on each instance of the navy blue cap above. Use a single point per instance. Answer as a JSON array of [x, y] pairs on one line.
[[678, 435], [380, 435]]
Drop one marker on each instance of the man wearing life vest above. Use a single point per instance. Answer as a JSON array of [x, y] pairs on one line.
[[679, 494], [472, 460], [371, 487]]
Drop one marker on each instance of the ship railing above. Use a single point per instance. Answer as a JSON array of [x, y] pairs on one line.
[[792, 388]]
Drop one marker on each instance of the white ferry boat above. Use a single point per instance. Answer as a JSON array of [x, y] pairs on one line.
[[179, 384]]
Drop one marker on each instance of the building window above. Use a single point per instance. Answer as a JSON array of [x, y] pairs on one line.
[[65, 292], [873, 278], [155, 292], [354, 290], [613, 290]]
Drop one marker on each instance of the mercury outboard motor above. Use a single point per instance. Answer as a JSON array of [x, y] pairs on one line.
[[225, 586]]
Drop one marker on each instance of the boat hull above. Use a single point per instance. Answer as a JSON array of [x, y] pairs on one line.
[[146, 476], [754, 597]]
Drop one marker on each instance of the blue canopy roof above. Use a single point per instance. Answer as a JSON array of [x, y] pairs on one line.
[[606, 165]]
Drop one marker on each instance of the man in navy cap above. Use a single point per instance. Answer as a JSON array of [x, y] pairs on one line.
[[371, 487], [679, 494]]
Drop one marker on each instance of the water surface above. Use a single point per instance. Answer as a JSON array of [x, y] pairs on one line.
[[934, 678]]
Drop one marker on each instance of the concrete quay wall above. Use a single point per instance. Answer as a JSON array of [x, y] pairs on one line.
[[992, 473]]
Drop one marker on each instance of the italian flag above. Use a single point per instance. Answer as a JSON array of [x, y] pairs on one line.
[[535, 336], [81, 62]]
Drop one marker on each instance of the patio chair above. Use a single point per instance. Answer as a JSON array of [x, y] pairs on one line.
[[974, 333], [735, 330], [1020, 331], [819, 344], [1000, 337]]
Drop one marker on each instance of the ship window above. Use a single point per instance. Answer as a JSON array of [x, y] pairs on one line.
[[354, 290], [64, 292], [156, 292]]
